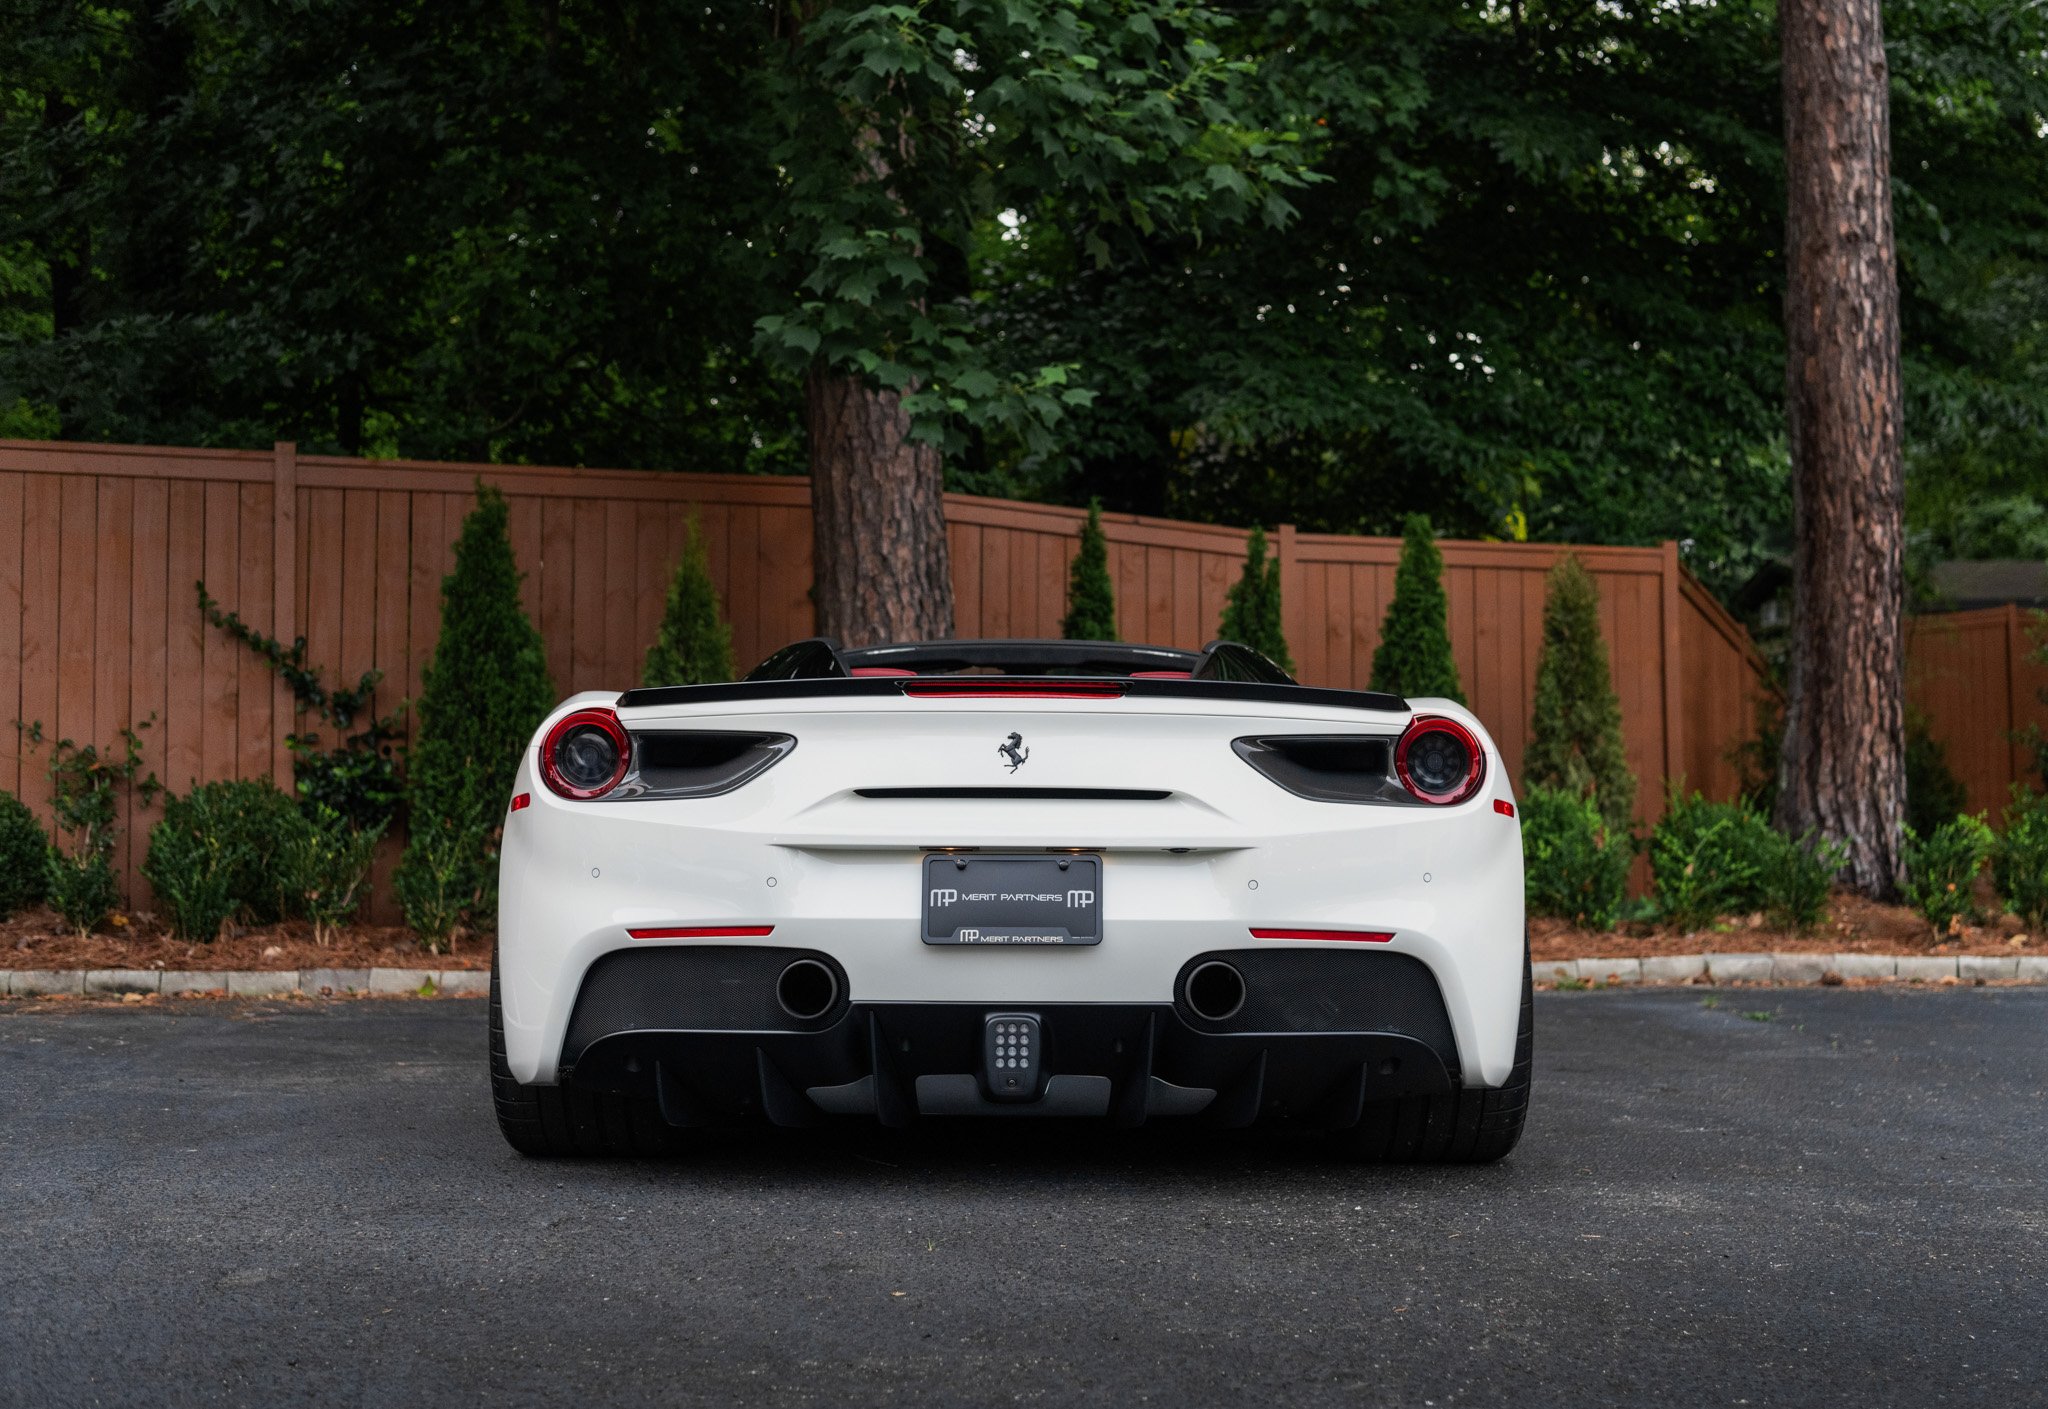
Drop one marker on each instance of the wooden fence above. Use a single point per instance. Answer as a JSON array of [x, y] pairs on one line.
[[1969, 673], [99, 625]]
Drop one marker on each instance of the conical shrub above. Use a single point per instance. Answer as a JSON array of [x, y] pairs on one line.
[[486, 691], [1575, 742], [1251, 614], [1414, 655], [1091, 599], [694, 644]]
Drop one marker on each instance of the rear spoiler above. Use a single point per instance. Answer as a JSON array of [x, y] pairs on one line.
[[1018, 687]]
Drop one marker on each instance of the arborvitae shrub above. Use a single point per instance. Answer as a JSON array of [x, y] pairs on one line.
[[2019, 868], [23, 847], [1414, 654], [1091, 599], [1251, 614], [1575, 736], [1574, 866], [486, 691], [694, 644], [1942, 867]]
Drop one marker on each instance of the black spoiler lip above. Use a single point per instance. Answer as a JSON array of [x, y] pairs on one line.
[[884, 687]]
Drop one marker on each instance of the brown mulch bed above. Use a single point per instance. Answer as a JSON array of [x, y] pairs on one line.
[[1853, 926], [37, 939]]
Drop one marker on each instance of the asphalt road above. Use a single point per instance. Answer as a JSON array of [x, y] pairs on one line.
[[309, 1204]]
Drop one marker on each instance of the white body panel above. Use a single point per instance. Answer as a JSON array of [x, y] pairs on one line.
[[797, 849]]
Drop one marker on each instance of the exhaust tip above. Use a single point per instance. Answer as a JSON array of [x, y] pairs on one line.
[[1214, 991], [807, 989]]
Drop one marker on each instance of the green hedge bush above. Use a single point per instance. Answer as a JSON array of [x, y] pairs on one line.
[[217, 854], [1710, 859], [1413, 657], [1574, 867], [324, 865], [1575, 738], [693, 645], [1251, 611], [24, 852], [1942, 867], [1091, 596], [2019, 865]]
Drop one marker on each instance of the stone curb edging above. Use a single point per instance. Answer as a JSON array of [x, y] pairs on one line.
[[245, 983], [1792, 968]]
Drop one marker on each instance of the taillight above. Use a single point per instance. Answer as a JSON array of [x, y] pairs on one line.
[[1439, 760], [585, 755]]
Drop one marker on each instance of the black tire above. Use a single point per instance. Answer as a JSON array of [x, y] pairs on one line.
[[560, 1120], [1467, 1126]]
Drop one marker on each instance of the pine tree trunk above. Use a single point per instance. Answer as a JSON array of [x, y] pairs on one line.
[[878, 517], [1843, 770]]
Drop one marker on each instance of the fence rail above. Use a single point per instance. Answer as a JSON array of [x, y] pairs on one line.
[[99, 624]]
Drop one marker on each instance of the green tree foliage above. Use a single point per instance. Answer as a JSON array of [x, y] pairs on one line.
[[2019, 867], [694, 644], [1413, 657], [1251, 610], [23, 852], [1575, 736], [1091, 598], [1538, 293], [486, 691]]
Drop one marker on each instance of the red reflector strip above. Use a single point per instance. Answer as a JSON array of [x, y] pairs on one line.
[[996, 690], [1503, 807], [522, 801], [1355, 936], [704, 932]]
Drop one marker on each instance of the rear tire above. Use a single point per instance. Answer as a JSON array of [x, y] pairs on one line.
[[559, 1120], [1466, 1126]]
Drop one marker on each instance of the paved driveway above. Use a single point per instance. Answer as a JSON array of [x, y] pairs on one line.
[[286, 1204]]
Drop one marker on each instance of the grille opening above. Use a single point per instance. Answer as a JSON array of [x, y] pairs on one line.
[[1000, 794], [1328, 767], [688, 762]]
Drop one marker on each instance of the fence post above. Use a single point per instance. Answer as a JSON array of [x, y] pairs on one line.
[[2015, 707], [1674, 675], [284, 603]]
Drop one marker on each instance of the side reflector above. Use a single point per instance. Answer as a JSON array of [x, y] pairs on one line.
[[1355, 936], [704, 932], [522, 801], [1503, 807]]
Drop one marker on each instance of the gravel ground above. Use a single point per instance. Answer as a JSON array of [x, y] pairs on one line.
[[1790, 1197]]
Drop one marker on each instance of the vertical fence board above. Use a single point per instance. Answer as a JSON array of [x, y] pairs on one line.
[[113, 599], [13, 534], [185, 637], [255, 586], [223, 657]]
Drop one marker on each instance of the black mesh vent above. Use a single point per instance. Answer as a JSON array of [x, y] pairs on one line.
[[708, 988], [1329, 990]]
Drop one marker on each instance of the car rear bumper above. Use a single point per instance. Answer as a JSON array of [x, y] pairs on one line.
[[700, 1032]]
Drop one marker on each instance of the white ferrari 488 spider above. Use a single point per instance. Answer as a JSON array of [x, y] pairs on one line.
[[1010, 879]]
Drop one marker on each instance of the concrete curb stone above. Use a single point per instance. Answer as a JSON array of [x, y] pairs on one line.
[[1674, 968], [1972, 966], [334, 980], [1800, 968], [1867, 965], [2034, 968], [399, 980], [1551, 970], [1733, 968], [1926, 966], [122, 980], [193, 981], [47, 981], [1611, 970], [252, 983], [473, 983]]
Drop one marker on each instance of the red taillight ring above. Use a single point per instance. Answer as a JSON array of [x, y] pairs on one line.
[[585, 718], [1424, 724]]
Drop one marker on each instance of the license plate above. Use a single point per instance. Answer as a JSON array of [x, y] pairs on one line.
[[1012, 899]]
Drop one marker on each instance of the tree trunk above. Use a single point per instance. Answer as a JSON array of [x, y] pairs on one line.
[[878, 517], [1843, 770]]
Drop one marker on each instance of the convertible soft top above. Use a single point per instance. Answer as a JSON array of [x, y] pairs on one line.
[[821, 666]]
